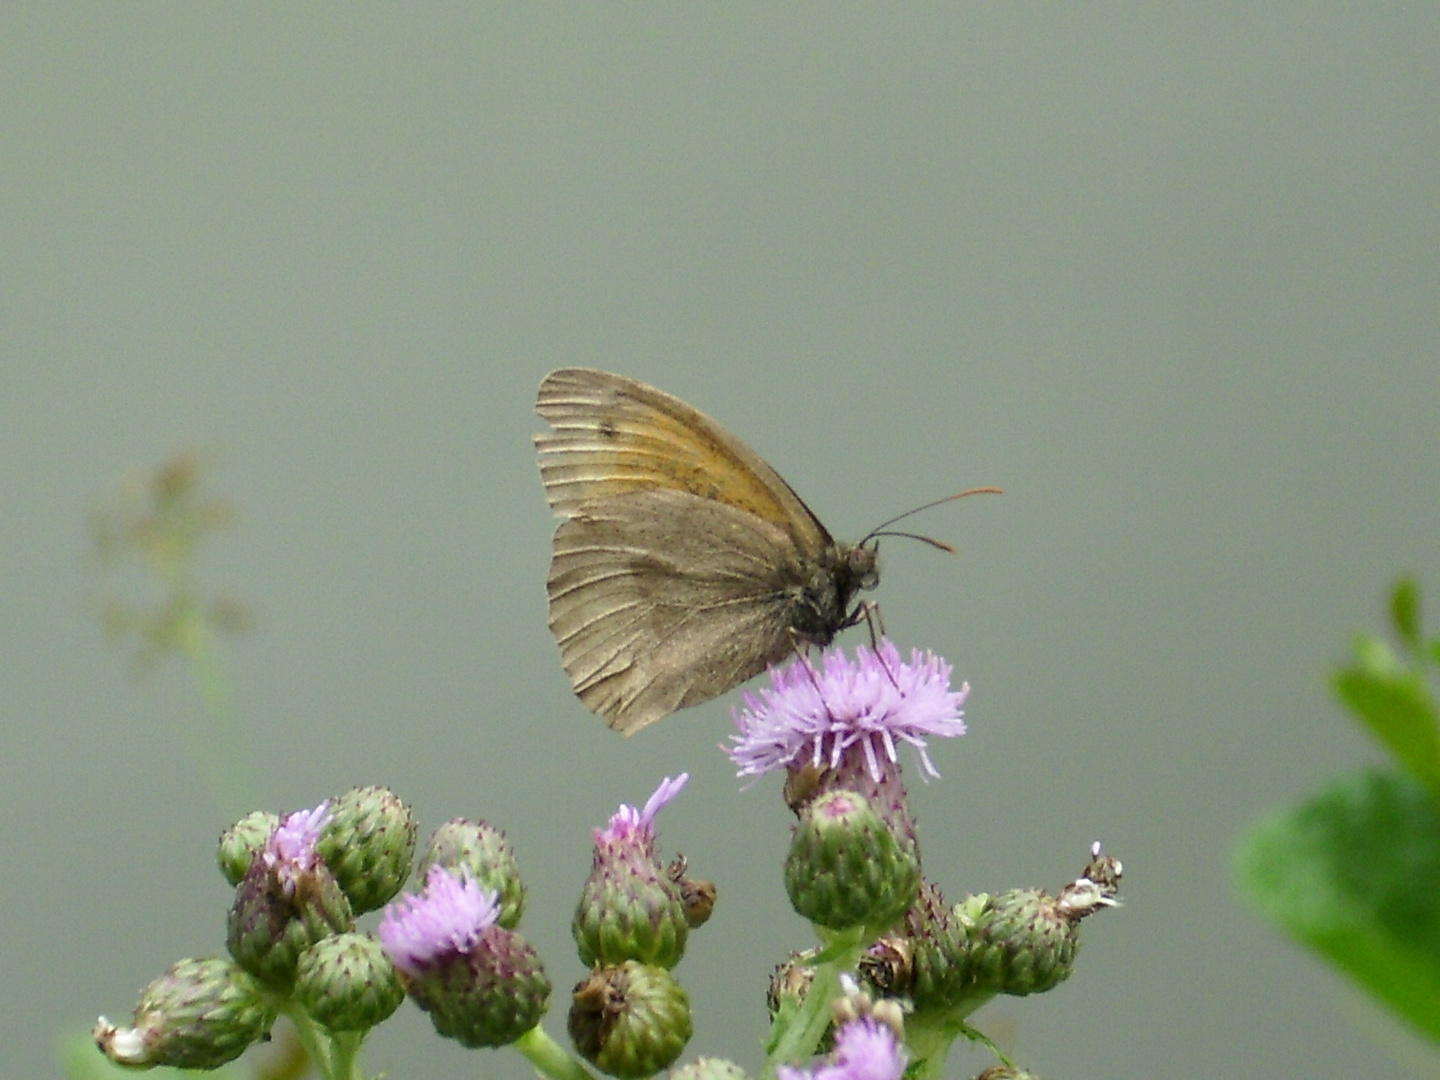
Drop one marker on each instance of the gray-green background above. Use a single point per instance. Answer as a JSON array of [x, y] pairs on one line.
[[1170, 274]]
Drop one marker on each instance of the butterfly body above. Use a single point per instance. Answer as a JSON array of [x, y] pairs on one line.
[[683, 564]]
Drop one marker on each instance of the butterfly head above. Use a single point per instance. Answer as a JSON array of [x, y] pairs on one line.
[[861, 565]]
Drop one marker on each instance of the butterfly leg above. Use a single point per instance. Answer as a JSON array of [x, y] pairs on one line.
[[868, 612]]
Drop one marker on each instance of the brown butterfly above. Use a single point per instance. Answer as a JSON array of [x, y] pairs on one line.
[[684, 564]]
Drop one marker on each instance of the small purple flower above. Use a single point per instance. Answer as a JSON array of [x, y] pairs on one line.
[[447, 918], [865, 1049], [814, 717], [289, 854], [633, 828]]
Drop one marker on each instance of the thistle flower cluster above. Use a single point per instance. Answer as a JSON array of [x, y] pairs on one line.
[[854, 868], [294, 947], [890, 987]]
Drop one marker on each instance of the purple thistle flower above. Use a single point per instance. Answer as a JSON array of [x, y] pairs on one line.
[[631, 828], [447, 918], [289, 853], [865, 1049], [814, 717]]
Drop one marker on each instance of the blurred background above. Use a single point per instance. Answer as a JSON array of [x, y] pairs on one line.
[[1169, 274]]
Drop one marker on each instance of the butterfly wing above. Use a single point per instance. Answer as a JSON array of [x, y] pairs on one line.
[[660, 600], [612, 435]]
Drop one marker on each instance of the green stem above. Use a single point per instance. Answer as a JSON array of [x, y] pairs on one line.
[[929, 1037], [308, 1034], [801, 1037], [549, 1057], [346, 1046], [226, 768]]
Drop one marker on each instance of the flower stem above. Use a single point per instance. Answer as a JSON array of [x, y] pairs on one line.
[[549, 1057], [308, 1035], [802, 1035]]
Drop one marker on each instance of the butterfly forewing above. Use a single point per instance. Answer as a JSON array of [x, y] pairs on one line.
[[613, 435]]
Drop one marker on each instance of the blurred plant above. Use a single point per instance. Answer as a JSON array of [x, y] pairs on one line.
[[159, 517], [149, 536], [889, 989], [1354, 873]]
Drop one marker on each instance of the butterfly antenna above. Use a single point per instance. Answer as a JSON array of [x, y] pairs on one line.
[[915, 536], [879, 529]]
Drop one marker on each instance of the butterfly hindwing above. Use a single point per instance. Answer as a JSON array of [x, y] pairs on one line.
[[652, 615]]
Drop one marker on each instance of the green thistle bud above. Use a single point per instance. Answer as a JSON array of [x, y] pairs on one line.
[[486, 853], [1006, 1072], [631, 907], [709, 1069], [845, 867], [489, 996], [941, 976], [240, 842], [368, 845], [626, 913], [1022, 943], [347, 983], [287, 901], [198, 1015], [630, 1021]]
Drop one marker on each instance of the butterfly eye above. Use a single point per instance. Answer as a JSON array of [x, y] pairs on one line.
[[864, 566]]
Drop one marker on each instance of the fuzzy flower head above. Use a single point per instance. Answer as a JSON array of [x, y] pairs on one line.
[[817, 717], [483, 985], [289, 854], [447, 918], [865, 1049]]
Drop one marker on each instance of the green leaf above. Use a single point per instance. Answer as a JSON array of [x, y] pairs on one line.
[[1395, 704], [1405, 612], [1355, 875]]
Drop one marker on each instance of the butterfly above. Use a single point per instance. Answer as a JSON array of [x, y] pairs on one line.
[[683, 564]]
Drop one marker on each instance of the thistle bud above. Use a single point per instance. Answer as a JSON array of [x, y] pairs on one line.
[[198, 1015], [940, 953], [631, 908], [368, 844], [482, 985], [347, 983], [1022, 944], [845, 867], [483, 850], [240, 842], [287, 901], [630, 1021], [1024, 941]]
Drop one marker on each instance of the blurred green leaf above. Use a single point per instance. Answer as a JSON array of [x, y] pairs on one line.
[[1405, 612], [1355, 875], [1395, 703]]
